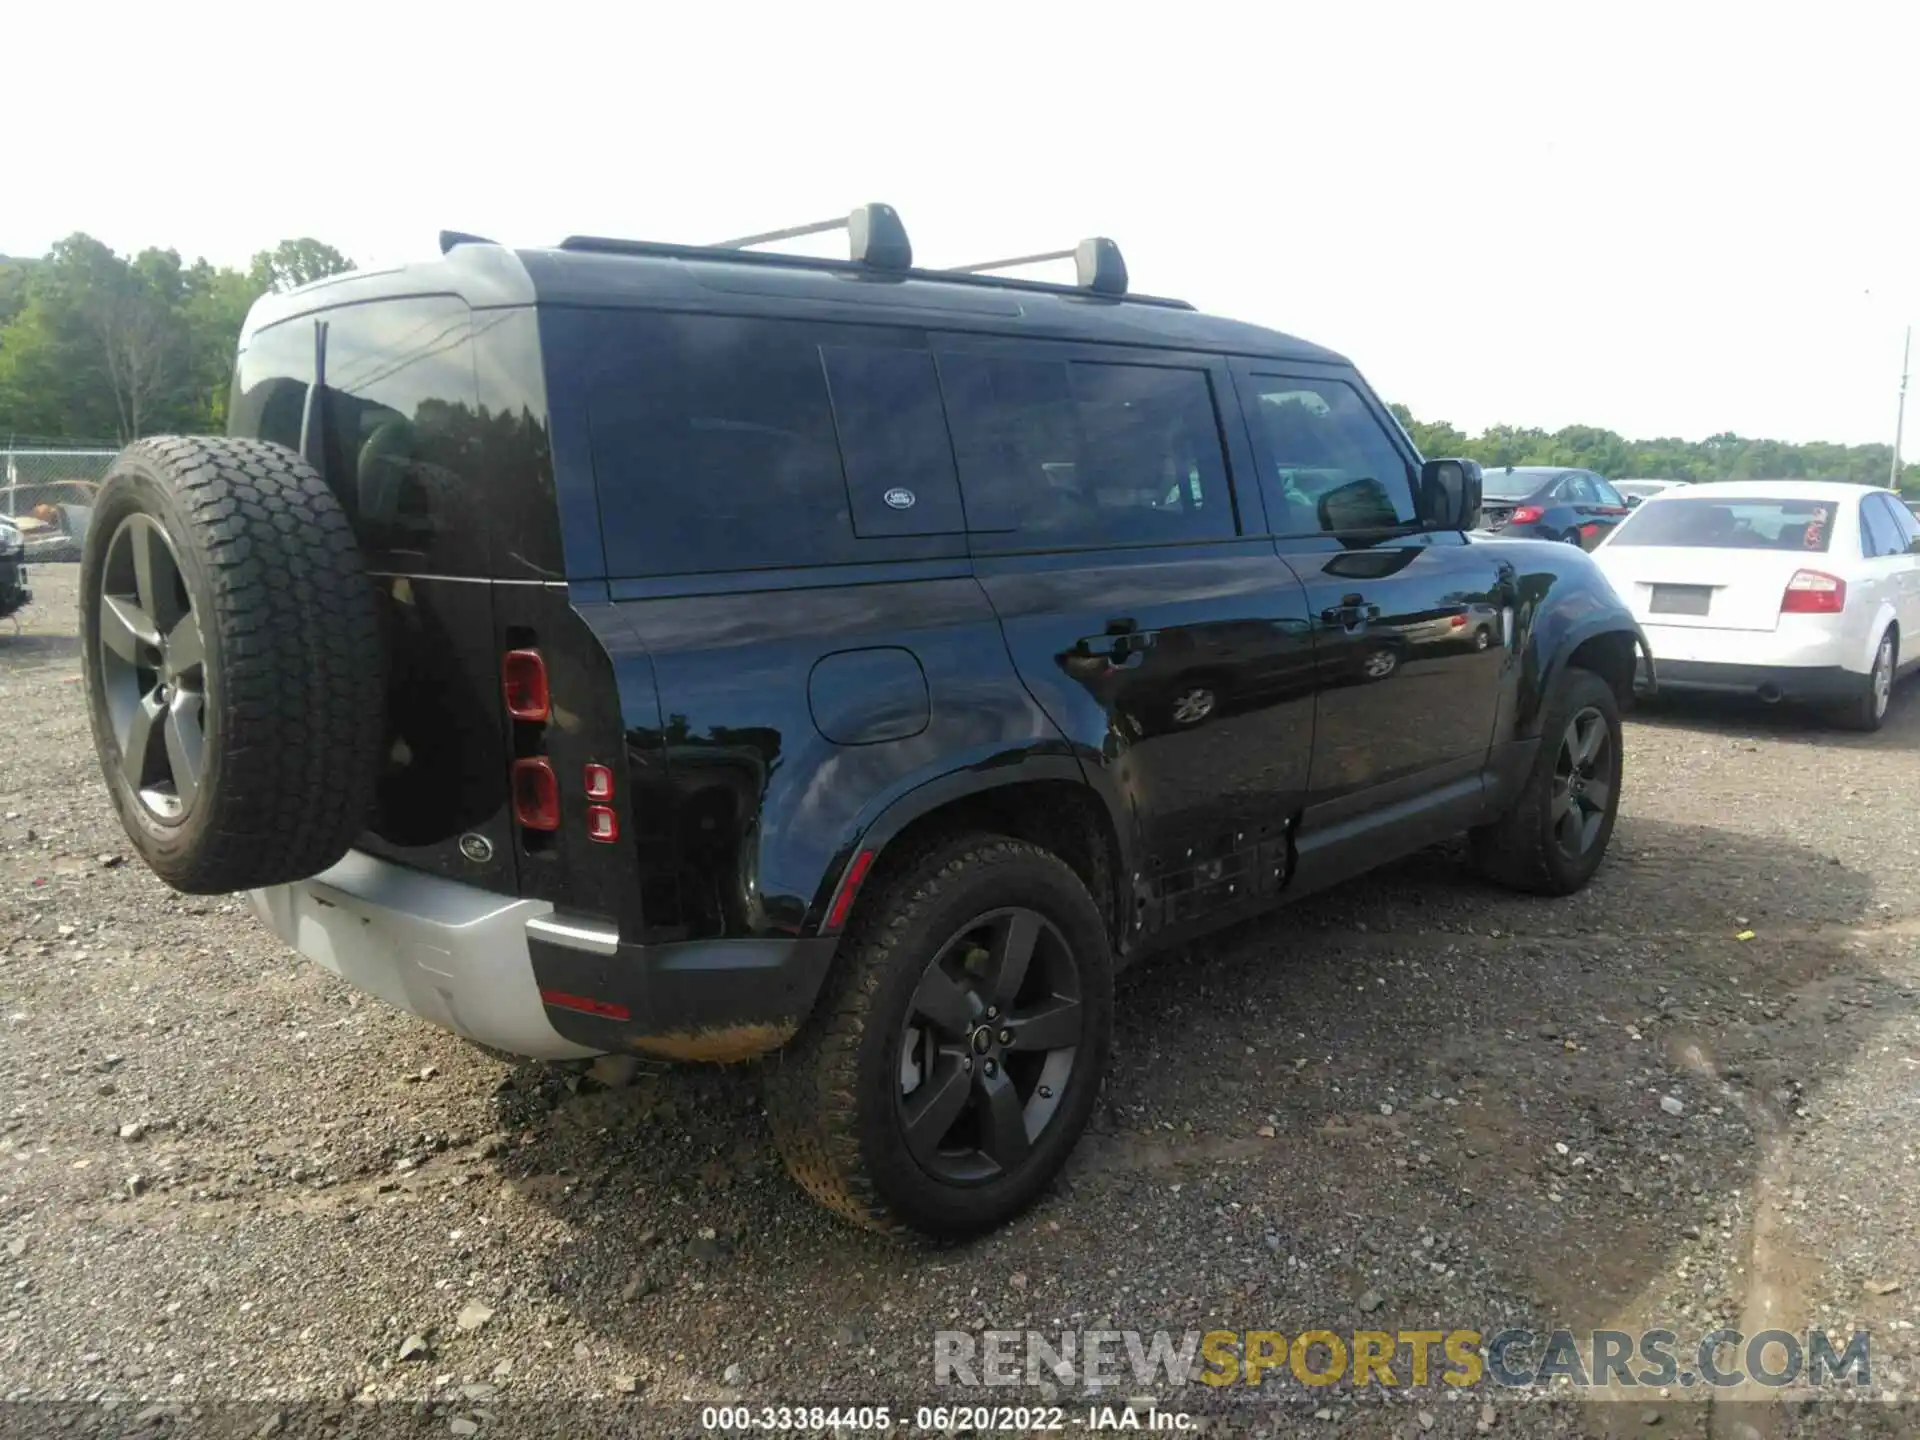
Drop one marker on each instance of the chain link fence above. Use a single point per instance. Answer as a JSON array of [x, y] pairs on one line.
[[48, 491]]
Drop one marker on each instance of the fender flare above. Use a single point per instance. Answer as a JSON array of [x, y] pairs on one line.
[[872, 834], [1617, 623]]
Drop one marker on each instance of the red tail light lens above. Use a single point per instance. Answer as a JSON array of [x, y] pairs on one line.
[[523, 679], [1814, 592], [599, 782], [1525, 515], [536, 794], [603, 824]]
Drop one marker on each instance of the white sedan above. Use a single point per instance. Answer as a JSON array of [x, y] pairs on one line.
[[1785, 589]]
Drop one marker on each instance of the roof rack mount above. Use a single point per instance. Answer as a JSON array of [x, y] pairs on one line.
[[1097, 261], [875, 237]]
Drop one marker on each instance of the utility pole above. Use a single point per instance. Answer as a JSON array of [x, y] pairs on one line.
[[1900, 414]]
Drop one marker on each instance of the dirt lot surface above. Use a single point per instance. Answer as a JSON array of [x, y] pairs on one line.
[[1686, 1097]]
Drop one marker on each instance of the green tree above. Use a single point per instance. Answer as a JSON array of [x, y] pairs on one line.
[[1725, 456], [292, 263], [95, 344]]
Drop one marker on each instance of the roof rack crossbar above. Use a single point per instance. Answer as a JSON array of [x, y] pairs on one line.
[[1097, 263], [792, 232], [875, 237], [1011, 264]]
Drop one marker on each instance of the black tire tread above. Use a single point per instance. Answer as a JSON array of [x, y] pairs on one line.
[[301, 685], [1512, 850], [811, 1085], [1858, 713]]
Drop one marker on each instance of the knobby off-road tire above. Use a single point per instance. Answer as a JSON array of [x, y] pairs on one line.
[[834, 1097], [1524, 849], [280, 673]]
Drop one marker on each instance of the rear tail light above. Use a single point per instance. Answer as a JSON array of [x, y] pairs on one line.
[[523, 679], [1525, 515], [598, 780], [603, 824], [1814, 592], [536, 794]]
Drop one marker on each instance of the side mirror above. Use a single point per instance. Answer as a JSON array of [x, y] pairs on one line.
[[1633, 501], [1450, 494]]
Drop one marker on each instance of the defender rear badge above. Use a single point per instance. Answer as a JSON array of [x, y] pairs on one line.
[[899, 498], [476, 848]]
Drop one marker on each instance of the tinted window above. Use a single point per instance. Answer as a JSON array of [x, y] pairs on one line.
[[404, 433], [1053, 452], [403, 430], [1579, 490], [1880, 533], [1730, 523], [893, 441], [1328, 463], [270, 381], [1512, 484], [713, 445], [1608, 495]]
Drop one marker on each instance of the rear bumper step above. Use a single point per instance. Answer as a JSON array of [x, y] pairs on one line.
[[512, 974]]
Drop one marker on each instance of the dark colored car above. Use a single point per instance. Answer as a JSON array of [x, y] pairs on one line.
[[724, 655], [1549, 502], [14, 594]]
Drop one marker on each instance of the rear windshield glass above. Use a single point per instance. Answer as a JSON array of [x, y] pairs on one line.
[[1730, 523], [1510, 484]]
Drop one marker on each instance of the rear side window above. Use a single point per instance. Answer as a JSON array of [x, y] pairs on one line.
[[1328, 464], [734, 444], [1730, 523], [1085, 453], [1880, 532]]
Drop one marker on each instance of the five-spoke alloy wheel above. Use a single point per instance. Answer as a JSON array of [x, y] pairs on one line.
[[957, 1051], [153, 674], [987, 1053]]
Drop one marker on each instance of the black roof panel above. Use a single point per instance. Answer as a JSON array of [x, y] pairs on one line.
[[689, 278]]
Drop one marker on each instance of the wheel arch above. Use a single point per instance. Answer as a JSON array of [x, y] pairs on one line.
[[1045, 800], [1885, 618]]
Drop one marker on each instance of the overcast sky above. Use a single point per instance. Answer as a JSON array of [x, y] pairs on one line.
[[1675, 219]]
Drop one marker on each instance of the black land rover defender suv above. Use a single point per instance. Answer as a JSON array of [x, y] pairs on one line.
[[721, 654]]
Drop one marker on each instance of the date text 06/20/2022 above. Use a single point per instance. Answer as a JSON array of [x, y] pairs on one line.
[[944, 1419]]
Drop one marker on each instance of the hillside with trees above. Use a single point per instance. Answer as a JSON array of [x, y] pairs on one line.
[[99, 346], [1719, 457], [96, 346]]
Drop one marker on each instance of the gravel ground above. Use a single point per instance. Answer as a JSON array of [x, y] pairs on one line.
[[1415, 1102]]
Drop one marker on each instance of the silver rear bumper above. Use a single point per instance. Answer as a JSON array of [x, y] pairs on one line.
[[447, 952]]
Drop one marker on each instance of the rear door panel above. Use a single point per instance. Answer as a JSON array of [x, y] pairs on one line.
[[1101, 490]]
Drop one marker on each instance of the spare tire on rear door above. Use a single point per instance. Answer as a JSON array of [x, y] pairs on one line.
[[233, 662]]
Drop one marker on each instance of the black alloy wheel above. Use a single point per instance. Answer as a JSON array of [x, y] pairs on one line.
[[987, 1053], [1582, 787]]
